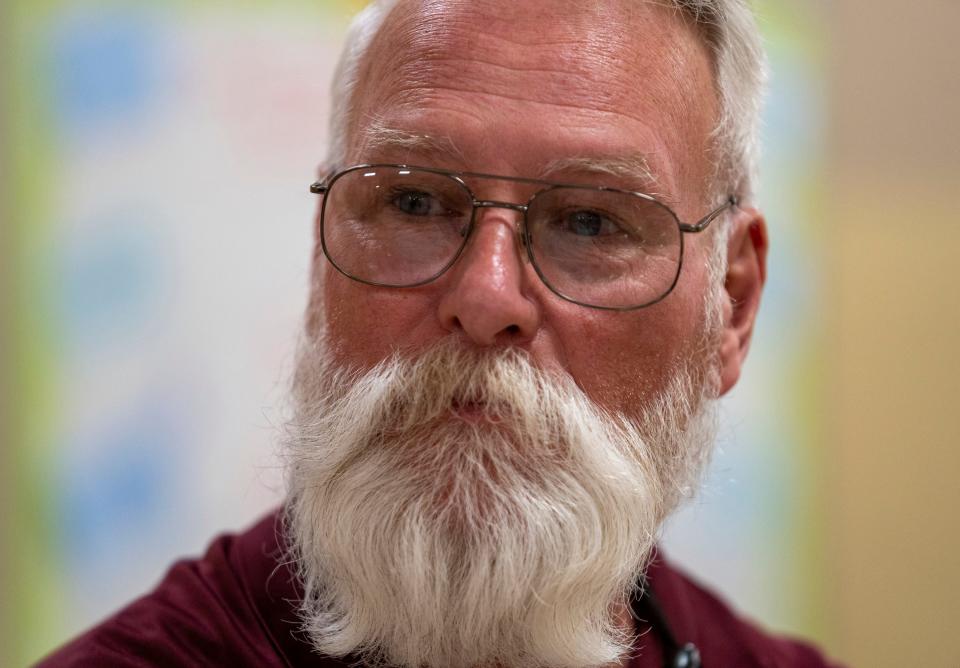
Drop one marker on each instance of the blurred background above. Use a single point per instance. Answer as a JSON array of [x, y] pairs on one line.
[[156, 235]]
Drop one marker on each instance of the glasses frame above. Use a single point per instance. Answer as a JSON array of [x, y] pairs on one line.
[[324, 186]]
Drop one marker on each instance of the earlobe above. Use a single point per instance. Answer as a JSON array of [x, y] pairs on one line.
[[743, 285]]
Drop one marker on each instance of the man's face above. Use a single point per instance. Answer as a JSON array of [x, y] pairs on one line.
[[566, 91], [480, 430]]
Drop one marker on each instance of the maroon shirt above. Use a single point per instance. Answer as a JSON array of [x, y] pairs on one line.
[[236, 606]]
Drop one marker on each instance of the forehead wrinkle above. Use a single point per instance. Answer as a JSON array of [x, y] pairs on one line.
[[616, 36], [554, 85], [554, 78], [447, 47], [496, 19], [474, 45]]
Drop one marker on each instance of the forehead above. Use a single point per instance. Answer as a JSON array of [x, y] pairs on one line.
[[554, 79]]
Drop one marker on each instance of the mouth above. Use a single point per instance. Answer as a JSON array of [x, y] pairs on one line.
[[473, 412]]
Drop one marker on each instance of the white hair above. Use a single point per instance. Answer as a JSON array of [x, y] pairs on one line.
[[740, 74]]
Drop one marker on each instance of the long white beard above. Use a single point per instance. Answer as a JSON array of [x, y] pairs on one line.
[[423, 539]]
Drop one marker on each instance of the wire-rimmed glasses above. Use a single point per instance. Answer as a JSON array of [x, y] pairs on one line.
[[402, 226]]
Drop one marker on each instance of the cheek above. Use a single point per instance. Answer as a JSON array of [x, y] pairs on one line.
[[365, 324], [623, 360], [622, 365]]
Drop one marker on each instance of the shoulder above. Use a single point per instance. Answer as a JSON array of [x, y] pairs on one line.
[[201, 613], [723, 636]]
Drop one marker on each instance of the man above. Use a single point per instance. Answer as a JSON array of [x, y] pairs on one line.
[[537, 265]]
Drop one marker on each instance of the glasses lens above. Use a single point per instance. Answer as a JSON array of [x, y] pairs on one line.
[[394, 226], [604, 248]]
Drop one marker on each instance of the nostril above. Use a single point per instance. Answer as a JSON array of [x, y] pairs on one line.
[[513, 329]]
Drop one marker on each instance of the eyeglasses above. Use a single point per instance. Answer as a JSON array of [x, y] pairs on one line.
[[401, 226]]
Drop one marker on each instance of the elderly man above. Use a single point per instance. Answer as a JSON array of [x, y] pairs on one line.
[[536, 267]]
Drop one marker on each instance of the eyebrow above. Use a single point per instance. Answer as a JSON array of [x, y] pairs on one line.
[[635, 169], [632, 168], [378, 137]]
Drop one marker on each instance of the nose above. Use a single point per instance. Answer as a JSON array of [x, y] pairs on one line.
[[485, 297]]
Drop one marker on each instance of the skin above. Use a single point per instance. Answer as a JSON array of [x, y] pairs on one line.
[[515, 86]]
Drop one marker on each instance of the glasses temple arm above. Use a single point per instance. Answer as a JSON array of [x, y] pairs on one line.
[[702, 224]]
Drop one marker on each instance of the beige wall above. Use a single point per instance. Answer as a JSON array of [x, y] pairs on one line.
[[892, 299]]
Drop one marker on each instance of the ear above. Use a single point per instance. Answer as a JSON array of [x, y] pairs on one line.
[[746, 274]]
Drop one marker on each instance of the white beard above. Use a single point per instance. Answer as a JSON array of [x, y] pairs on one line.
[[423, 539]]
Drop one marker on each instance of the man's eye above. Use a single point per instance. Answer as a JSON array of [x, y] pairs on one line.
[[417, 203], [587, 223]]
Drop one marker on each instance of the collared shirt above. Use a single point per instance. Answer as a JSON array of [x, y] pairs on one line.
[[236, 606]]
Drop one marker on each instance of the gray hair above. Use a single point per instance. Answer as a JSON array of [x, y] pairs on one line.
[[740, 74]]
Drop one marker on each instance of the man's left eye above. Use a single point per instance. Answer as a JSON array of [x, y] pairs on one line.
[[587, 223], [416, 203]]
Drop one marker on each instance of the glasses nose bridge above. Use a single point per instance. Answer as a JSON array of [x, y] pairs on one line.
[[520, 229], [497, 204]]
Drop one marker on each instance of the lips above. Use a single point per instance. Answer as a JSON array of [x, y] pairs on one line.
[[473, 412]]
